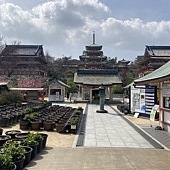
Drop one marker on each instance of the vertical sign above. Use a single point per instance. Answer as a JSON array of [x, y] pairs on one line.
[[57, 96]]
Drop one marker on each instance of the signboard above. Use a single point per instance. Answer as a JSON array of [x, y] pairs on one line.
[[150, 98], [137, 100]]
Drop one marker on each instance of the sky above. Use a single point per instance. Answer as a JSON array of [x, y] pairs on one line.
[[65, 27]]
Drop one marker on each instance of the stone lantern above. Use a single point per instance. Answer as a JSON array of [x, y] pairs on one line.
[[102, 99]]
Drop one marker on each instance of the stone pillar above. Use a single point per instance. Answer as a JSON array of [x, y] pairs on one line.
[[83, 97], [111, 97]]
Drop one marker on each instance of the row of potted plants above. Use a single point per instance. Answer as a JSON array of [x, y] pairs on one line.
[[58, 118], [13, 114], [16, 153]]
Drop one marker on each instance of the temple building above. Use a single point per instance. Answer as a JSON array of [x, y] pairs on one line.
[[153, 58], [92, 72], [22, 60]]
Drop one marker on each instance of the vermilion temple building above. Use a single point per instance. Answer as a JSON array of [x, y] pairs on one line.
[[153, 58], [22, 60]]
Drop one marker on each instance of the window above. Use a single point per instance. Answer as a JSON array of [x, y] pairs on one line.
[[53, 91], [166, 102]]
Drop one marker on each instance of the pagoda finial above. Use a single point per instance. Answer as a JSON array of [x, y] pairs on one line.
[[93, 37]]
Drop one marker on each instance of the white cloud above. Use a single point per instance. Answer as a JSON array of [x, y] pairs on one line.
[[64, 27]]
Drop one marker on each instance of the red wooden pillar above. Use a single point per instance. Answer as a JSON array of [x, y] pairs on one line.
[[42, 95], [26, 95]]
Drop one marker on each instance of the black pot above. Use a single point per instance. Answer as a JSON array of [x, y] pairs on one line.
[[19, 141], [21, 135], [12, 133], [3, 139], [39, 147], [4, 121], [35, 125], [34, 150], [24, 124], [45, 136], [27, 155], [14, 167], [20, 163], [48, 126], [60, 127]]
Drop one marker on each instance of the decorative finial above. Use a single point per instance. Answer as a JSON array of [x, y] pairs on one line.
[[93, 37]]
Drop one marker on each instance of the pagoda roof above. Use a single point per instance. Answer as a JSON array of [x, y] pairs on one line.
[[85, 56], [94, 46]]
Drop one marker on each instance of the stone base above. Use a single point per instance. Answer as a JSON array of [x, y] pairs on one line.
[[101, 111]]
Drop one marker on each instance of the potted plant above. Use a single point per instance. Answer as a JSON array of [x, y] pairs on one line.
[[25, 123], [6, 162], [37, 137], [77, 112], [34, 122], [16, 152], [31, 142], [73, 122]]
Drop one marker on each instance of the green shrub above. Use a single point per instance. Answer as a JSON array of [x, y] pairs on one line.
[[9, 97]]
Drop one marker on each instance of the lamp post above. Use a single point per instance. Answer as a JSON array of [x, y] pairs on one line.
[[102, 99]]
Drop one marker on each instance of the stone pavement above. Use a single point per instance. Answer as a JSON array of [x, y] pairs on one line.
[[110, 143], [110, 130]]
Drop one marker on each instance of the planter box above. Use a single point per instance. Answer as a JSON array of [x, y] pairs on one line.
[[60, 128], [4, 121], [35, 125]]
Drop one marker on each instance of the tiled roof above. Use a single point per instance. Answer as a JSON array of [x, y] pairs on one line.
[[23, 50], [97, 79], [55, 79], [158, 50], [157, 75], [97, 71]]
